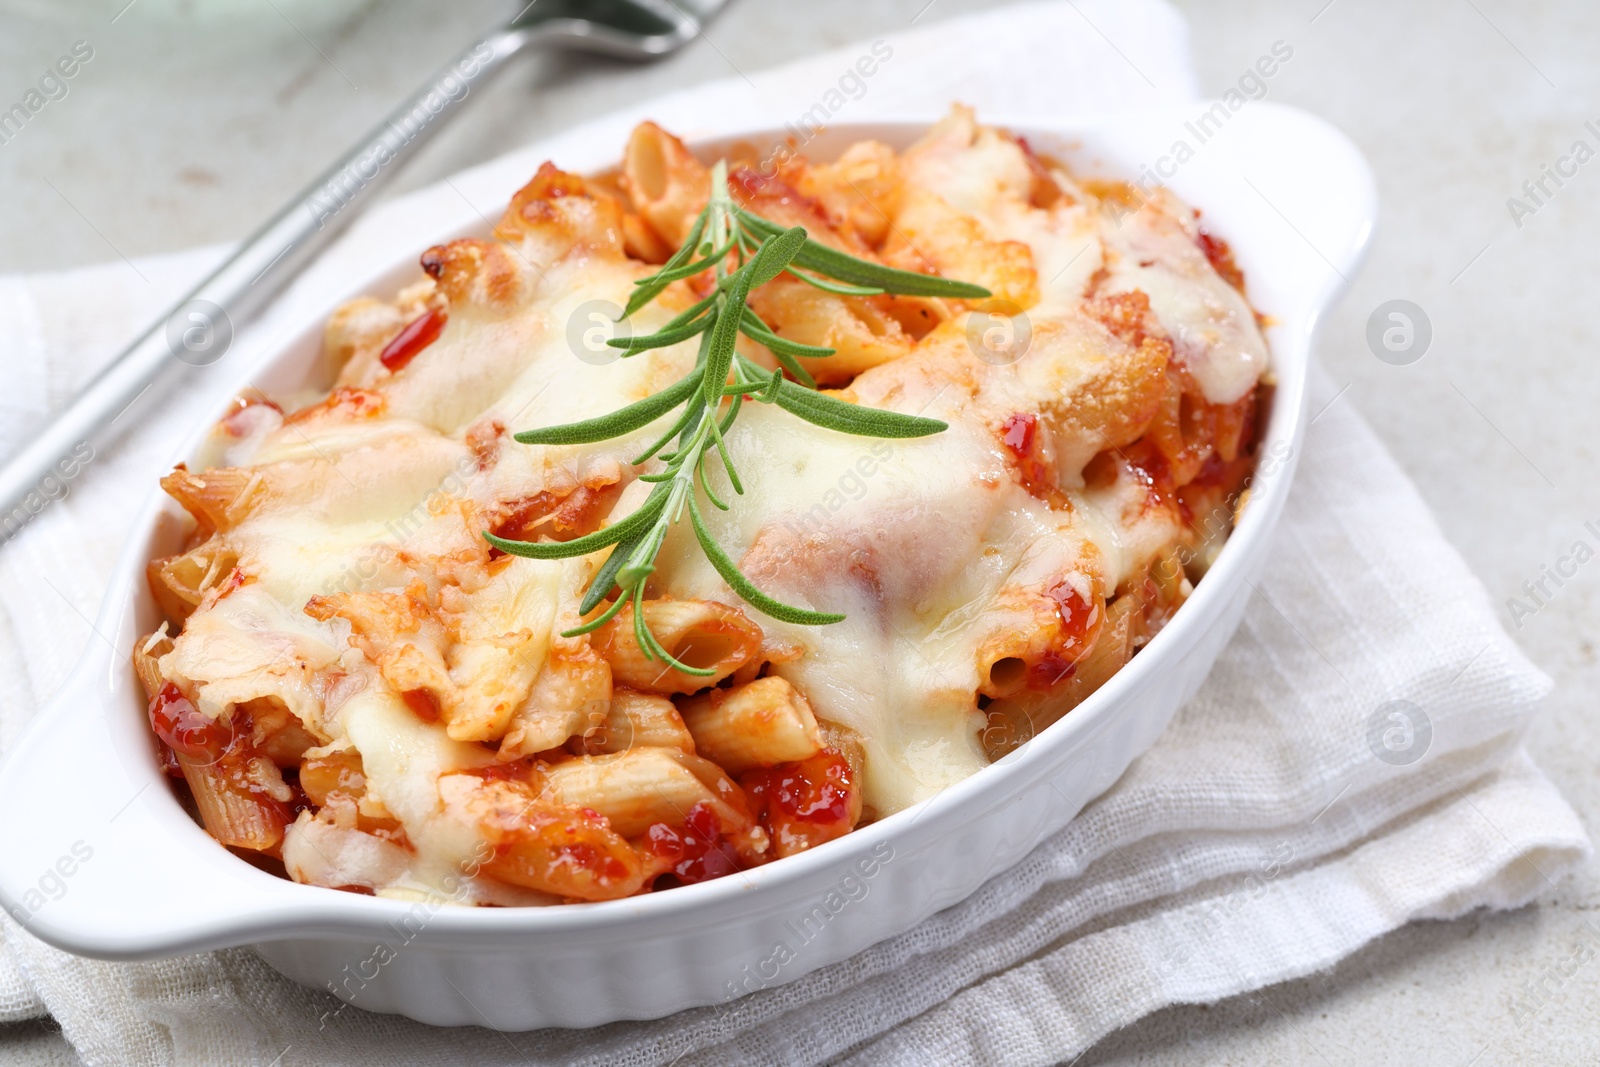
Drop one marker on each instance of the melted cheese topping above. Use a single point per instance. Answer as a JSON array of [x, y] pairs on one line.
[[924, 545]]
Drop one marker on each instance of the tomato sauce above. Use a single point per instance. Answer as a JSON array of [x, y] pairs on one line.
[[805, 803], [418, 334], [184, 730], [1020, 434], [697, 850]]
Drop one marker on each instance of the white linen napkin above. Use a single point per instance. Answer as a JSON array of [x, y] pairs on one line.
[[1293, 811]]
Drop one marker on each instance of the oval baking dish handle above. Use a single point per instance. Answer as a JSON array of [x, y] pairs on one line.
[[99, 858]]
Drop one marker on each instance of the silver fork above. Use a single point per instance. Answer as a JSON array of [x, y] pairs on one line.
[[199, 329]]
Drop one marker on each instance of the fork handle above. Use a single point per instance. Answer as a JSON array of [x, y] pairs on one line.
[[198, 330]]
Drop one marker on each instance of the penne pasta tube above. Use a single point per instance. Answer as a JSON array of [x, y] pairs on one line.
[[219, 498], [179, 582], [1007, 658], [701, 633], [860, 330], [667, 184], [756, 725], [147, 653], [643, 243], [638, 720], [643, 786], [1039, 636], [242, 799], [863, 187], [573, 854], [1015, 720]]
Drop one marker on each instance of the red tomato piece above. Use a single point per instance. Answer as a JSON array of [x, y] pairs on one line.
[[418, 334], [183, 729]]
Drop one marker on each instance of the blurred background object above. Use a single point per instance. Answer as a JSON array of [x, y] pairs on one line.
[[194, 120], [197, 330]]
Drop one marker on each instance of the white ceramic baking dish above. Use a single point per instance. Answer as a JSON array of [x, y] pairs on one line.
[[98, 858]]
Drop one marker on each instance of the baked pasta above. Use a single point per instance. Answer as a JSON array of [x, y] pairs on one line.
[[354, 687]]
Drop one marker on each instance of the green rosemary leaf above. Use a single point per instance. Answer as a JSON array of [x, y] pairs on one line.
[[754, 328], [651, 647], [653, 285], [622, 421], [711, 494], [606, 576], [834, 287], [684, 318], [664, 337], [855, 271], [782, 350], [619, 531], [856, 419], [790, 364], [643, 296], [774, 255], [733, 413], [691, 242], [745, 587], [822, 410], [641, 633], [599, 620], [662, 441], [691, 312], [843, 267], [727, 461], [687, 270], [640, 563], [770, 393], [719, 356], [693, 410]]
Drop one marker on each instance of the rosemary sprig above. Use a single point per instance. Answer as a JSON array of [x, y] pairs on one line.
[[711, 396]]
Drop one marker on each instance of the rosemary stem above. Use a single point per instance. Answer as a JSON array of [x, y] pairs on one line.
[[743, 252]]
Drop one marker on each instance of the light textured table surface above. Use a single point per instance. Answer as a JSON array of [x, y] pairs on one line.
[[190, 123]]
